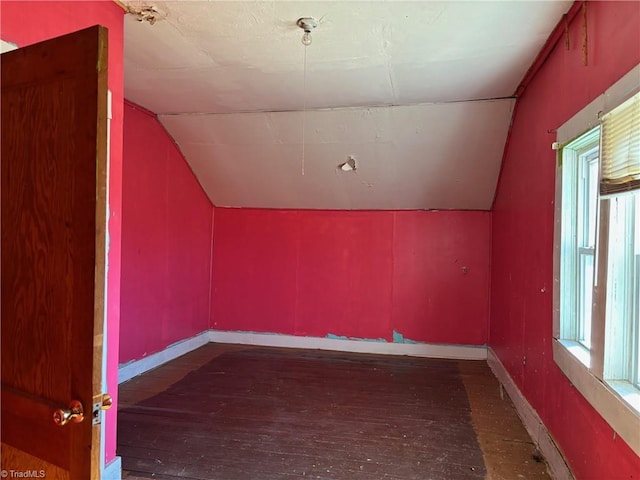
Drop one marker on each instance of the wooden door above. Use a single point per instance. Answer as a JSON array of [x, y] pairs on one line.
[[53, 169]]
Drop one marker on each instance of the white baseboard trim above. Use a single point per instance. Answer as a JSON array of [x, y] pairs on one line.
[[7, 46], [533, 423], [136, 367], [113, 470], [460, 352]]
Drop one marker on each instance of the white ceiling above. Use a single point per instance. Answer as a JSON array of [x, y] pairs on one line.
[[418, 92]]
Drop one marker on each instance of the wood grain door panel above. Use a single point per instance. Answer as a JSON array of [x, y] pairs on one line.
[[53, 169]]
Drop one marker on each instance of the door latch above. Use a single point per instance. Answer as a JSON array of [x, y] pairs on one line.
[[104, 404]]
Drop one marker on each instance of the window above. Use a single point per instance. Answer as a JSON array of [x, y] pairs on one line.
[[579, 200], [597, 260]]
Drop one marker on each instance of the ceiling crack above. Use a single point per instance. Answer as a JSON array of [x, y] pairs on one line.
[[331, 109]]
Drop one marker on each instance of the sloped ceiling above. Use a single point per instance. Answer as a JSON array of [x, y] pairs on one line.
[[419, 93]]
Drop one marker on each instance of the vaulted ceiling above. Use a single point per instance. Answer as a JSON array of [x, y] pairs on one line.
[[419, 94]]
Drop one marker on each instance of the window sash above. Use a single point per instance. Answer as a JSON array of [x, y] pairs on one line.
[[577, 250], [586, 269]]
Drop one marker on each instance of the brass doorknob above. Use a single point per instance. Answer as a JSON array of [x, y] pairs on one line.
[[75, 413]]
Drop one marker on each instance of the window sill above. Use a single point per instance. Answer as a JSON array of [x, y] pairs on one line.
[[609, 399], [577, 350], [627, 391]]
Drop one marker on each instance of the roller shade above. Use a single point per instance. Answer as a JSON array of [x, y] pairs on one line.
[[620, 148]]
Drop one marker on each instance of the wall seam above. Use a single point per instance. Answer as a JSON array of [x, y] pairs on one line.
[[490, 287], [393, 271], [210, 322], [296, 308]]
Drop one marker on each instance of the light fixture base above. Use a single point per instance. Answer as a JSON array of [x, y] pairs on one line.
[[349, 165], [307, 23]]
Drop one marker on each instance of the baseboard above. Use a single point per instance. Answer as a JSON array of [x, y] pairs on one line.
[[7, 46], [113, 470], [460, 352], [533, 423], [136, 367]]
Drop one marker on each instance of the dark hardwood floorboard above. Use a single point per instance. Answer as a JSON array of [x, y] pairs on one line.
[[229, 413]]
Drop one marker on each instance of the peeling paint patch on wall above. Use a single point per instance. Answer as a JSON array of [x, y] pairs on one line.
[[399, 338], [331, 336]]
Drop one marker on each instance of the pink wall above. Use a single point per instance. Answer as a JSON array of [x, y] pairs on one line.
[[522, 251], [353, 274], [24, 23], [166, 242]]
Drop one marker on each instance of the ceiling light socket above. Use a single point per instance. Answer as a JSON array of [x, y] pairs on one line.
[[349, 165], [307, 24]]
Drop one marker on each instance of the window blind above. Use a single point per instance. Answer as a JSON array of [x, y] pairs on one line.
[[620, 148]]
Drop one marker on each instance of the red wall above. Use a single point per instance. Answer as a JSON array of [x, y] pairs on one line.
[[522, 251], [166, 242], [24, 23], [354, 274]]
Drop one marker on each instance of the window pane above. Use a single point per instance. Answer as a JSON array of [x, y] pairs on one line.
[[586, 296], [636, 289], [593, 199], [587, 214], [622, 310]]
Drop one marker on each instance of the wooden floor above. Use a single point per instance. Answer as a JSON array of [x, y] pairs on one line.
[[237, 412]]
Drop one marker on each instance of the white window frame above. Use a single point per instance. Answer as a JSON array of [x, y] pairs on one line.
[[617, 402], [582, 151]]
